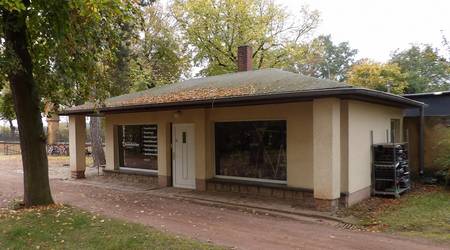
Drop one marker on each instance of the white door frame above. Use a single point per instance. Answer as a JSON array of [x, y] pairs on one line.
[[191, 152]]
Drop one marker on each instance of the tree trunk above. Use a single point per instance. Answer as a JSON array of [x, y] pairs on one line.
[[98, 154], [12, 129], [26, 105]]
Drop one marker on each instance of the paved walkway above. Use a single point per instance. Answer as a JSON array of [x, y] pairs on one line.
[[222, 226]]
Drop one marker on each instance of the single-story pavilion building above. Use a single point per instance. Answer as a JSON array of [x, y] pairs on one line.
[[267, 132]]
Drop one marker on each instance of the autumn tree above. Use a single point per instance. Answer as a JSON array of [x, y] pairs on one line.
[[51, 50], [322, 58], [425, 70], [378, 76], [214, 29]]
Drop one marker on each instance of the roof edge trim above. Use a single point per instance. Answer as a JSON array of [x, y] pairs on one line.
[[343, 92]]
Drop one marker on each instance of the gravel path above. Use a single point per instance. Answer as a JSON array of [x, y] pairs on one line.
[[233, 228]]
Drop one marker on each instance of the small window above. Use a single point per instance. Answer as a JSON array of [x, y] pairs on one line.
[[138, 147], [251, 149], [395, 130]]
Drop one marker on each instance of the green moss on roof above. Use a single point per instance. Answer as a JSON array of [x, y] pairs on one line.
[[248, 83]]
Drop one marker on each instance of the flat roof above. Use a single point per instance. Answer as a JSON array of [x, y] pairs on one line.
[[436, 104], [237, 89], [436, 93]]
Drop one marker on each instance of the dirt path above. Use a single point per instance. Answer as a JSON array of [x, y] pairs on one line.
[[218, 225]]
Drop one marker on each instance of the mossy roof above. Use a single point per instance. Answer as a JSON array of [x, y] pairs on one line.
[[257, 83]]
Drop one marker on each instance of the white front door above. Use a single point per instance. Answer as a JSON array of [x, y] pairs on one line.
[[183, 155]]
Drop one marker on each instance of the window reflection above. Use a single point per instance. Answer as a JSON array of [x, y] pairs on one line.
[[251, 149], [138, 146]]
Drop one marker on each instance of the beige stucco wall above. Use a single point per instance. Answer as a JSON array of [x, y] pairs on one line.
[[77, 135], [298, 117], [356, 120], [299, 136], [344, 146], [163, 120], [362, 119], [327, 148]]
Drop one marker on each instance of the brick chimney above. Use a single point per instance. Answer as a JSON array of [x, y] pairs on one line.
[[244, 60]]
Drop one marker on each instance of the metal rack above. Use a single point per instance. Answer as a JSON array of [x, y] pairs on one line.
[[390, 169]]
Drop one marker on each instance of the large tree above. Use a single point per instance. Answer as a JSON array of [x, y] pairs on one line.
[[378, 76], [214, 29], [323, 59], [424, 68], [158, 56], [54, 50], [149, 54]]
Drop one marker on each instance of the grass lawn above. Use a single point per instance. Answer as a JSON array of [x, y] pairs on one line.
[[62, 227], [424, 212]]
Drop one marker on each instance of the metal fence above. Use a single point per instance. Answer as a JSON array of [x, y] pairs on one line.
[[59, 149], [13, 148], [9, 148]]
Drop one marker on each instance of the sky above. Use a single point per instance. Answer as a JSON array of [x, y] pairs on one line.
[[378, 27]]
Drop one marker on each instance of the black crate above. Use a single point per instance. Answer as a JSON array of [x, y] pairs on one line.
[[390, 153], [390, 169]]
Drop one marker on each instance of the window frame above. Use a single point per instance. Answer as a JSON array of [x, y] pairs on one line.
[[238, 178], [119, 148]]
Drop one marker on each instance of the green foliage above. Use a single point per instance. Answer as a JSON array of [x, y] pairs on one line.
[[214, 30], [440, 150], [159, 56], [372, 75], [72, 46], [61, 227], [149, 53], [323, 59], [90, 50], [11, 5], [7, 105], [424, 68]]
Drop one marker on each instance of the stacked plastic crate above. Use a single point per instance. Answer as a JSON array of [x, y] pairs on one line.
[[390, 169]]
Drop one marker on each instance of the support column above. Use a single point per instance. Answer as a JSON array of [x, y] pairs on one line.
[[52, 129], [52, 123], [199, 118], [164, 154], [111, 145], [77, 141], [326, 153]]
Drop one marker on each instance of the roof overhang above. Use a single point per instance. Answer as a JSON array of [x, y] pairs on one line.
[[437, 104], [360, 94], [436, 93]]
